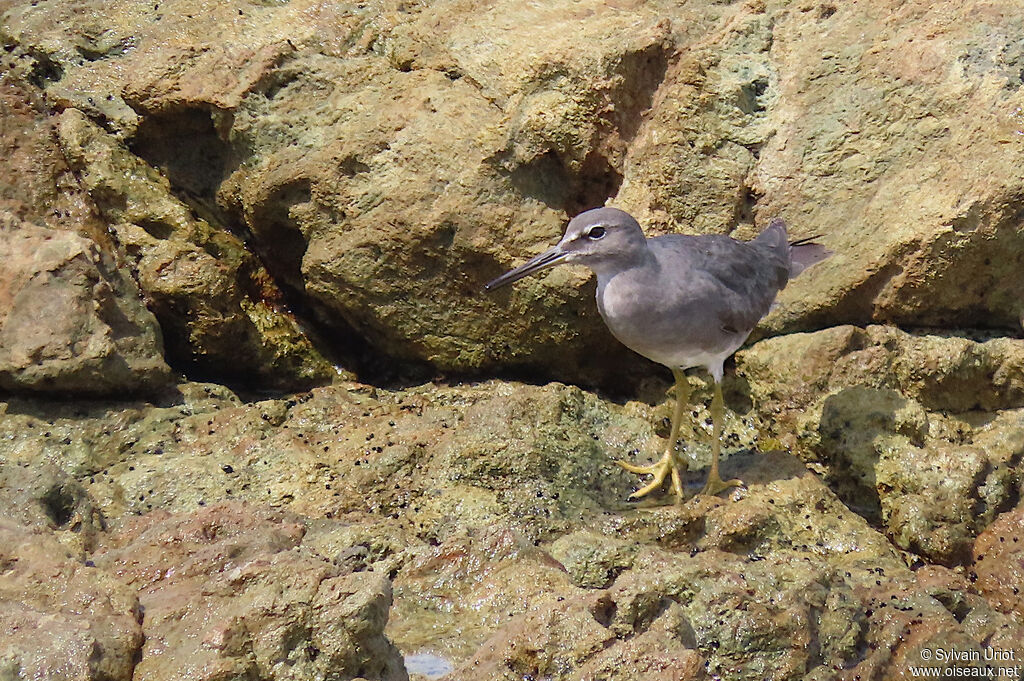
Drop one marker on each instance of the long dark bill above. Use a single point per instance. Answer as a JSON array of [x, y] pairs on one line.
[[547, 259]]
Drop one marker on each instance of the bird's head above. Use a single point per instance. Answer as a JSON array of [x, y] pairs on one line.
[[592, 238]]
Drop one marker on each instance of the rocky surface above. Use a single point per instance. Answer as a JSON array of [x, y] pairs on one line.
[[43, 498], [495, 513], [902, 122], [70, 320], [266, 185], [36, 184], [229, 592], [61, 618], [388, 159], [467, 457], [999, 563], [220, 311], [923, 433]]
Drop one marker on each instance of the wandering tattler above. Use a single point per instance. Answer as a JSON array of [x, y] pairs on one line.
[[682, 301]]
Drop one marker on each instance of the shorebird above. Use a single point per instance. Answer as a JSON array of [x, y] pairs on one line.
[[682, 301]]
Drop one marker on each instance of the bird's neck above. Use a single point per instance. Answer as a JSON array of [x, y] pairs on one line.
[[607, 267]]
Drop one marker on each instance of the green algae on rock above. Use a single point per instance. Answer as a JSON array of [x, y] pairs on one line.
[[922, 433], [497, 513], [220, 311]]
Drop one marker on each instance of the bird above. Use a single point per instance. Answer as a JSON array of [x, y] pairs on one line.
[[683, 301]]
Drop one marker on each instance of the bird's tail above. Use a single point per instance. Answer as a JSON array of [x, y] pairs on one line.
[[802, 252], [805, 252]]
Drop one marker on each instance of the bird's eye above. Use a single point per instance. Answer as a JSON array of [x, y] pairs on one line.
[[596, 233]]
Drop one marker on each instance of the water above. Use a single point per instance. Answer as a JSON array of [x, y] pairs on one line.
[[428, 664]]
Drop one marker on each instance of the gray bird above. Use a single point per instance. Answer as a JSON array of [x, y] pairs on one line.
[[682, 301]]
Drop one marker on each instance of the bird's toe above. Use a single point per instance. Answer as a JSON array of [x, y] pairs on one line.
[[715, 485]]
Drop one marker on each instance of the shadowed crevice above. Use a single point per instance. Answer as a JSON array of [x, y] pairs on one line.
[[549, 180], [184, 144]]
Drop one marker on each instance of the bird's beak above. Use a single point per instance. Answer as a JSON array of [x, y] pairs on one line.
[[547, 259]]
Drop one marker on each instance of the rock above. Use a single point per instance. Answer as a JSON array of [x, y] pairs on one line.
[[696, 151], [451, 596], [999, 563], [573, 640], [936, 499], [899, 145], [387, 162], [431, 182], [499, 513], [221, 313], [70, 320], [46, 499], [442, 458], [62, 619], [905, 426], [36, 184], [941, 372], [229, 591], [592, 559], [782, 581], [383, 161]]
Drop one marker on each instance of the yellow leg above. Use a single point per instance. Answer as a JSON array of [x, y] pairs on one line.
[[669, 462], [715, 484]]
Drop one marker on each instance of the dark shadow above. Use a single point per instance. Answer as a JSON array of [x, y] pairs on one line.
[[58, 503], [276, 236], [852, 422], [44, 70], [757, 468], [643, 73], [74, 405], [183, 143], [548, 180]]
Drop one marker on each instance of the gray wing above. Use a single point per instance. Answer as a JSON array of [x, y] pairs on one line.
[[727, 282]]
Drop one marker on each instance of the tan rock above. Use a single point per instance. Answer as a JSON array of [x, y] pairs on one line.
[[489, 504], [228, 591], [389, 161], [573, 640], [999, 563], [62, 619], [70, 320], [450, 598], [44, 498], [943, 372], [36, 184], [592, 559], [894, 134], [922, 433], [513, 144]]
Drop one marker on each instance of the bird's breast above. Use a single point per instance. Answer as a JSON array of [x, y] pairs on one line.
[[629, 311], [672, 324], [618, 302]]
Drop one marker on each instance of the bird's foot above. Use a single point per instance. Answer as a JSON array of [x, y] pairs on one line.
[[667, 464], [716, 485]]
